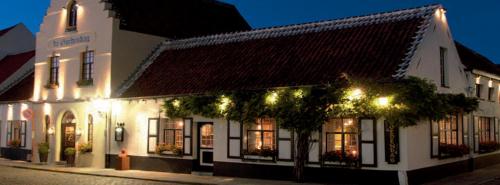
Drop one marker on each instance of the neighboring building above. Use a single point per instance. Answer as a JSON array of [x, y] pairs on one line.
[[107, 67], [17, 56]]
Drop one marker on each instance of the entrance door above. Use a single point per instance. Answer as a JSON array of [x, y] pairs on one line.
[[206, 146], [68, 136]]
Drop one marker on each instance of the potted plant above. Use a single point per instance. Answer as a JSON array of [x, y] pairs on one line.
[[85, 148], [70, 156], [168, 149], [43, 151], [450, 150], [14, 143], [260, 154]]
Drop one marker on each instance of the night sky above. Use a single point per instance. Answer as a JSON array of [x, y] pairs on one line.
[[473, 22]]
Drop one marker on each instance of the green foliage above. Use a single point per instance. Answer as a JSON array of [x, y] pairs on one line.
[[84, 148], [69, 151], [43, 148], [305, 109]]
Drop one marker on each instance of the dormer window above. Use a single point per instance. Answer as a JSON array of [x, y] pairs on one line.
[[72, 11]]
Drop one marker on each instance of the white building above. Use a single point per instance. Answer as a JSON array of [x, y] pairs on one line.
[[105, 67]]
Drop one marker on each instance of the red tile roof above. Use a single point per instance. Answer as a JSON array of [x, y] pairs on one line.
[[11, 63], [4, 31], [473, 60], [23, 90], [377, 46]]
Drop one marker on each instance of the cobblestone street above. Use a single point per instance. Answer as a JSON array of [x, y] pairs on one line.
[[17, 176]]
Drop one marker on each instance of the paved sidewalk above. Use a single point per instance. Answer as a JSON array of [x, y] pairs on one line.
[[146, 175], [483, 176]]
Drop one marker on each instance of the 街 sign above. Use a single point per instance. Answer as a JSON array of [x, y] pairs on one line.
[[71, 40]]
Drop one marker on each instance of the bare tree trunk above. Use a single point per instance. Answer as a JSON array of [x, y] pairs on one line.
[[301, 155]]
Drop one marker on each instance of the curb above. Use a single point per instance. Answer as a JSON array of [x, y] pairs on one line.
[[101, 175]]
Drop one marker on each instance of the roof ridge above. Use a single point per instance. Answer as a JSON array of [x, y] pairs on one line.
[[289, 30], [293, 29]]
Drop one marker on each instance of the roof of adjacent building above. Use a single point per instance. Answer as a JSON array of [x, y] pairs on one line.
[[11, 63], [178, 18], [20, 90], [377, 46], [473, 60], [6, 30]]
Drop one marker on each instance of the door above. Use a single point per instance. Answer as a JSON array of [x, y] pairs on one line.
[[68, 136], [206, 146]]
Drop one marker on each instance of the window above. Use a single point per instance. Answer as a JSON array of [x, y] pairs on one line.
[[90, 133], [443, 52], [47, 126], [54, 71], [16, 133], [260, 135], [446, 133], [448, 130], [484, 125], [87, 66], [342, 136], [207, 136], [172, 132], [72, 15], [169, 139], [491, 90], [478, 90]]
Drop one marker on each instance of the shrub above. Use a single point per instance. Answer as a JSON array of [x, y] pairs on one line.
[[69, 151], [85, 148], [43, 148]]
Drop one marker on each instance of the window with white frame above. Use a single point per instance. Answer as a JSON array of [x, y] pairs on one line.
[[165, 136], [342, 137], [259, 136], [447, 134]]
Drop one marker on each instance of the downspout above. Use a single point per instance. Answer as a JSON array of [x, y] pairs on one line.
[[470, 122]]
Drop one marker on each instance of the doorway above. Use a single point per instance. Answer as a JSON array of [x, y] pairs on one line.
[[206, 146], [68, 136]]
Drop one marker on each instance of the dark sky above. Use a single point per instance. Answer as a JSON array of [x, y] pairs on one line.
[[473, 22]]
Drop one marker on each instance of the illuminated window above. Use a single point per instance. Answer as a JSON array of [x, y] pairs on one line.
[[16, 133], [485, 131], [72, 15], [207, 136], [449, 130], [54, 70], [172, 132], [342, 136], [260, 135]]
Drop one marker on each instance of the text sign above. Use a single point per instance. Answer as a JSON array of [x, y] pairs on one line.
[[71, 40]]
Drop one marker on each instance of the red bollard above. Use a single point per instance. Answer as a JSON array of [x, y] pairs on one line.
[[123, 161]]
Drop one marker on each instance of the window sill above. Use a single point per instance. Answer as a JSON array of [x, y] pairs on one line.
[[85, 83], [445, 86], [52, 86], [71, 29], [340, 164]]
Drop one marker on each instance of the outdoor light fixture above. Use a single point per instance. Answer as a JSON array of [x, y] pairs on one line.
[[78, 132], [272, 98], [51, 131], [382, 102], [355, 94], [119, 132], [224, 103], [176, 103]]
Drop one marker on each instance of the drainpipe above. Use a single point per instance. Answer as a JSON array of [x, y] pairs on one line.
[[470, 124]]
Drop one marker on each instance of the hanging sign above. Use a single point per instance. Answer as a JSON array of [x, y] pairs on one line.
[[27, 114]]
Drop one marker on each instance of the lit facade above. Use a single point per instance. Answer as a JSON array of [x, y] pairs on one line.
[[86, 64]]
